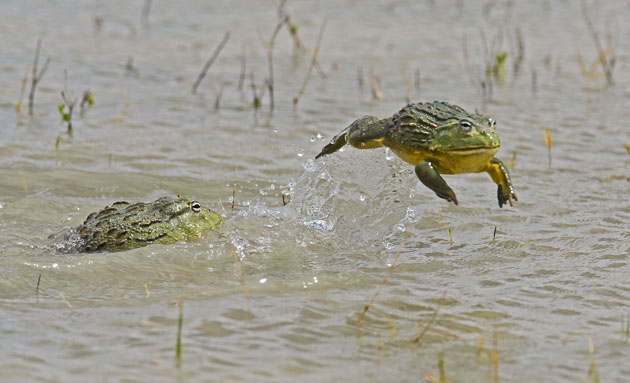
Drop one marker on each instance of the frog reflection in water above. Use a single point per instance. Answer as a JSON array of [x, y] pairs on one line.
[[124, 226], [437, 138]]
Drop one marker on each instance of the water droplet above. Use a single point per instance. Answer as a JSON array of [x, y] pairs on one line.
[[309, 165], [272, 187], [319, 135], [315, 280], [55, 265], [388, 154], [312, 138], [361, 197], [263, 280], [400, 227], [275, 130], [301, 153]]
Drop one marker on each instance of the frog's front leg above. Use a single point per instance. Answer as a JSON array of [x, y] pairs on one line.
[[501, 176], [428, 174], [365, 133]]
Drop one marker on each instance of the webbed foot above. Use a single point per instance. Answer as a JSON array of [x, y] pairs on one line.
[[501, 176], [429, 176]]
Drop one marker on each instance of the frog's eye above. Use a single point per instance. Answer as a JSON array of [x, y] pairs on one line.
[[465, 126], [195, 207], [491, 122]]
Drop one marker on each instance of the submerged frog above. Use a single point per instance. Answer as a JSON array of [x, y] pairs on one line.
[[437, 138], [124, 226]]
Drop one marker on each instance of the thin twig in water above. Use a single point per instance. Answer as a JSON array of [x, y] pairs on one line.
[[390, 270], [431, 320], [67, 116], [214, 56], [146, 9], [39, 278], [36, 77], [598, 46], [296, 99], [217, 100], [241, 76], [178, 341], [270, 59]]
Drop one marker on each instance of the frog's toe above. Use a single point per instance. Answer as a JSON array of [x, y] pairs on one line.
[[448, 195], [506, 195]]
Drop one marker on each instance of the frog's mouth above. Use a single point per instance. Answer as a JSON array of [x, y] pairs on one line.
[[473, 149]]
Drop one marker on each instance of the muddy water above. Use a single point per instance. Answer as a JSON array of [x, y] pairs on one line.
[[549, 296]]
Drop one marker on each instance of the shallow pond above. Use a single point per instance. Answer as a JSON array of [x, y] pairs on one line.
[[276, 293]]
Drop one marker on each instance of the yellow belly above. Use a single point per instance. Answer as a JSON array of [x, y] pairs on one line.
[[452, 162]]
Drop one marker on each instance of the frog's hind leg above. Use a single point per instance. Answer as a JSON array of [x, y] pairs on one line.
[[365, 133]]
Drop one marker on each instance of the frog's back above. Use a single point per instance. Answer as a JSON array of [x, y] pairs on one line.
[[413, 127], [124, 226]]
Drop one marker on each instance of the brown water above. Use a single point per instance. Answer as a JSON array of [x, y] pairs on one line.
[[555, 278]]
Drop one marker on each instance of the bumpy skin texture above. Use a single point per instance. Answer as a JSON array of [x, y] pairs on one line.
[[124, 226], [437, 138]]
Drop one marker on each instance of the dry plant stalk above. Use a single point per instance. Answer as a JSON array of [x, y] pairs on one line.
[[381, 351], [374, 80], [494, 235], [146, 290], [441, 368], [431, 320], [66, 301], [214, 56], [392, 328], [493, 354], [627, 148], [296, 99], [36, 76], [450, 235], [18, 104], [390, 270], [479, 347], [547, 137]]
